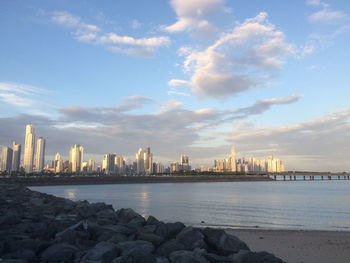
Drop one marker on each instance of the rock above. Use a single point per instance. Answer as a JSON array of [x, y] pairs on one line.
[[106, 216], [122, 259], [213, 258], [259, 257], [126, 247], [10, 218], [151, 220], [36, 201], [126, 214], [222, 243], [118, 229], [25, 254], [102, 252], [162, 260], [173, 229], [117, 238], [150, 237], [139, 256], [59, 252], [185, 256], [147, 229], [162, 230], [191, 238], [168, 247]]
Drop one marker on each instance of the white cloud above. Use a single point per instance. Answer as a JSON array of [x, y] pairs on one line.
[[135, 24], [19, 94], [239, 60], [327, 16], [127, 40], [194, 14], [93, 34]]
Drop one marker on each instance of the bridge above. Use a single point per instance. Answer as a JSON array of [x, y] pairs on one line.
[[308, 177]]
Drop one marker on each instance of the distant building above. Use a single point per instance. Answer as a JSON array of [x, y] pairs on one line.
[[76, 158], [29, 148], [144, 161], [108, 163], [16, 156], [40, 154], [174, 167], [91, 166], [58, 163], [233, 160], [184, 163], [6, 162]]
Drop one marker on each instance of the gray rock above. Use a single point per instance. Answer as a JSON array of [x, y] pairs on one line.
[[162, 260], [213, 258], [126, 214], [37, 201], [10, 218], [59, 252], [185, 256], [102, 252], [106, 216], [168, 247], [122, 259], [150, 237], [191, 238], [223, 243], [162, 230], [118, 229], [260, 257], [25, 254], [173, 229], [139, 256], [144, 246], [151, 220], [117, 238]]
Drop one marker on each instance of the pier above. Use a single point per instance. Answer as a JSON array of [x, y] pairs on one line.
[[307, 177]]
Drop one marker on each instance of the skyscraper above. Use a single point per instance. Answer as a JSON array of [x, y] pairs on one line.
[[184, 163], [58, 163], [233, 159], [76, 157], [16, 157], [40, 154], [140, 162], [29, 148], [148, 161], [6, 163], [91, 166], [109, 163]]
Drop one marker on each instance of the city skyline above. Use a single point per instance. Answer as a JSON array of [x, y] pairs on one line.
[[194, 78]]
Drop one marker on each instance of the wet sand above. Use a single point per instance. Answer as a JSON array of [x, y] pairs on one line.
[[295, 246]]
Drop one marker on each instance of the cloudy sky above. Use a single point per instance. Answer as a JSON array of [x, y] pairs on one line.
[[180, 76]]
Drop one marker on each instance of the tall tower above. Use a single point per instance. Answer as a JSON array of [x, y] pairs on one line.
[[6, 163], [16, 157], [29, 148], [140, 164], [40, 154], [233, 159], [76, 157], [148, 161], [58, 163]]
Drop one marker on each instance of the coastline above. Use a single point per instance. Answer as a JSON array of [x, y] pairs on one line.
[[92, 180], [295, 246]]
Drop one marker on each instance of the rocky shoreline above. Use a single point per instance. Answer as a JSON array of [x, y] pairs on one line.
[[37, 227]]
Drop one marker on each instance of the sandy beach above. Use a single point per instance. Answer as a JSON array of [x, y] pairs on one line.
[[295, 246]]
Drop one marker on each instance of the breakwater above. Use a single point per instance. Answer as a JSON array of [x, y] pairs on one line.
[[37, 227]]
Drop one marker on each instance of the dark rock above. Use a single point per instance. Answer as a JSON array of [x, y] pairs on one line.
[[117, 238], [213, 258], [10, 218], [162, 230], [59, 252], [150, 237], [173, 229], [126, 247], [102, 252], [151, 220], [122, 259], [168, 247], [222, 243], [162, 260], [118, 229], [139, 256], [24, 254], [37, 201], [127, 214], [147, 229], [260, 257], [191, 238], [106, 216], [185, 256]]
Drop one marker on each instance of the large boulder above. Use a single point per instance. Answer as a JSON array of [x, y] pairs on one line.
[[191, 238], [168, 247], [185, 256], [173, 229], [127, 214], [126, 247], [103, 252], [222, 243], [150, 237], [61, 252]]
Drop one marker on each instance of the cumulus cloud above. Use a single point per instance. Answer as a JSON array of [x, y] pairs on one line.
[[194, 15], [93, 34], [327, 16], [239, 60]]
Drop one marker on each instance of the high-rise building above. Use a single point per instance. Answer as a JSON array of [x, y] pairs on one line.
[[58, 163], [40, 154], [76, 158], [29, 148], [16, 157], [140, 162], [91, 166], [148, 161], [184, 163], [233, 160], [109, 163], [6, 163]]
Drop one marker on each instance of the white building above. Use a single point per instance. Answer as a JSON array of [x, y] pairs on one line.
[[40, 154], [16, 157], [6, 162], [76, 158], [29, 148]]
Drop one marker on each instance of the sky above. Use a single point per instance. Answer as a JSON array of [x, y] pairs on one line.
[[182, 77]]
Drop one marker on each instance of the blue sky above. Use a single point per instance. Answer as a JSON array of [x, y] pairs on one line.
[[195, 77]]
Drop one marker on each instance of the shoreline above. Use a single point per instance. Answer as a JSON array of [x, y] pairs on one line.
[[295, 246], [90, 180]]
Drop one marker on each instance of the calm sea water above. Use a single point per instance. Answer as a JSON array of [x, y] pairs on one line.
[[322, 205]]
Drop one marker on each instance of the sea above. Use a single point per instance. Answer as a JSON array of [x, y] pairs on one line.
[[295, 205]]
